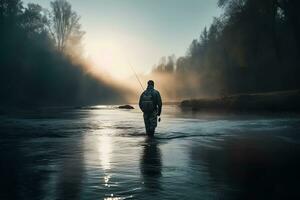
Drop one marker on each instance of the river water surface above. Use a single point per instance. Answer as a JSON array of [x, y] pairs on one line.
[[102, 153]]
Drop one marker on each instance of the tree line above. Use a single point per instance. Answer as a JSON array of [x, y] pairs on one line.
[[38, 47], [254, 46]]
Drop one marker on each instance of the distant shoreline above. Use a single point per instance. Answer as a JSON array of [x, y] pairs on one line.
[[279, 101]]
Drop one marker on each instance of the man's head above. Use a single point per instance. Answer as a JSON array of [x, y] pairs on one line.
[[150, 82]]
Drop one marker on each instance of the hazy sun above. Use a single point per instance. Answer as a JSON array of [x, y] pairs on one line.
[[111, 56]]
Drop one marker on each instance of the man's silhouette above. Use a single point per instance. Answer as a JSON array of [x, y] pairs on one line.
[[150, 103]]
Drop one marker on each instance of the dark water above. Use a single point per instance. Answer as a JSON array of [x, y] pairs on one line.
[[102, 153]]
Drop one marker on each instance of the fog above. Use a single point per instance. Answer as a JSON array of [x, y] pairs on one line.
[[41, 65], [252, 47]]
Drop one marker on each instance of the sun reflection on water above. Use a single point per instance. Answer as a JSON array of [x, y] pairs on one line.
[[100, 151], [105, 151], [106, 180], [114, 198]]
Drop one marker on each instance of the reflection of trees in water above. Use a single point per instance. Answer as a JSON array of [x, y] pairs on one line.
[[71, 173], [35, 164], [19, 180], [151, 164], [251, 168], [25, 172]]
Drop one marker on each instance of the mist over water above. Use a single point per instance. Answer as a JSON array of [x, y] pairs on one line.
[[63, 137], [101, 152]]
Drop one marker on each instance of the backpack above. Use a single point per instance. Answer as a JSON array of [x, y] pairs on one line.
[[147, 104]]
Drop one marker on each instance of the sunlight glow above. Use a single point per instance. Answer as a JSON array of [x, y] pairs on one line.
[[105, 151], [110, 55]]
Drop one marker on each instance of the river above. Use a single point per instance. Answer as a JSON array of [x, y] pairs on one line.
[[102, 152]]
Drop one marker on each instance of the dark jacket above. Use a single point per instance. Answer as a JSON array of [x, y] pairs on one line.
[[156, 99]]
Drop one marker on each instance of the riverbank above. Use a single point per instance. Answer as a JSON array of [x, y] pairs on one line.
[[282, 101]]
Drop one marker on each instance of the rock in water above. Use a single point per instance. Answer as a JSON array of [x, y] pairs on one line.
[[126, 107]]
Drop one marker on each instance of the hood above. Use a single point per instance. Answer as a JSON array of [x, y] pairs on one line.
[[150, 87]]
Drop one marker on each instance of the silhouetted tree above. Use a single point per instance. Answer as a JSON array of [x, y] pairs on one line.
[[33, 19], [33, 71], [253, 46], [291, 12], [64, 24], [170, 66]]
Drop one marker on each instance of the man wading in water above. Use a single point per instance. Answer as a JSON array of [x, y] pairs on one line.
[[150, 103]]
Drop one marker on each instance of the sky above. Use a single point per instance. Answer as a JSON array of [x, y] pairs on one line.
[[139, 32]]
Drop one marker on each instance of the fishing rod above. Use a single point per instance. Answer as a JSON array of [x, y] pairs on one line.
[[136, 76]]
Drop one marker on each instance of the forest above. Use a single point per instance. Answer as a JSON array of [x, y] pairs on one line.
[[252, 47], [40, 58]]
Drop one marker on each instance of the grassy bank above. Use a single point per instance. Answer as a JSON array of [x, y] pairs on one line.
[[282, 101]]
